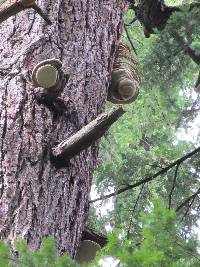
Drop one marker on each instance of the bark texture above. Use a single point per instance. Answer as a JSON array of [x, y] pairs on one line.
[[37, 198]]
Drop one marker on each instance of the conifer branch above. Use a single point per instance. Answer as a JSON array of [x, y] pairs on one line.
[[173, 185], [187, 200], [149, 178], [129, 38], [133, 211]]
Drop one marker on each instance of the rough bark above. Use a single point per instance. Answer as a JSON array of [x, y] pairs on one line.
[[36, 198]]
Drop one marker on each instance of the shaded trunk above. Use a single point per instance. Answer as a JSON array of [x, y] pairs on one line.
[[37, 198]]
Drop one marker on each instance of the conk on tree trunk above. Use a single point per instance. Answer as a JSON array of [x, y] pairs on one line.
[[37, 198]]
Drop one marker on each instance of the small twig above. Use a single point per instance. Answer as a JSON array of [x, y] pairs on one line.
[[149, 178], [41, 13], [188, 208], [155, 166], [173, 185], [131, 220], [197, 84], [129, 38], [10, 8], [130, 23], [187, 200]]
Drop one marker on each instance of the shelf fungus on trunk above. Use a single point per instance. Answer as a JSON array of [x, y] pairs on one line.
[[87, 251], [125, 81], [48, 74], [10, 8]]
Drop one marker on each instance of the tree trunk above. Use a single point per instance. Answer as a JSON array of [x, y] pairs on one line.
[[39, 197]]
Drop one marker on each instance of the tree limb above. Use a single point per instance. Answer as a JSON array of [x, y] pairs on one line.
[[129, 38], [173, 185], [87, 135], [197, 85], [149, 178], [188, 208], [10, 8], [132, 21], [193, 54], [187, 200], [136, 202]]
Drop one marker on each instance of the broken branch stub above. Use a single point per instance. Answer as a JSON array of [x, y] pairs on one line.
[[48, 75], [87, 135], [10, 8]]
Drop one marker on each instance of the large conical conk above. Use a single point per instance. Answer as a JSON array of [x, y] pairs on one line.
[[125, 80], [87, 251], [128, 90], [46, 76]]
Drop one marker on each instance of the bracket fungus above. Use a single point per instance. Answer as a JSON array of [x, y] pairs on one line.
[[125, 81], [49, 75], [87, 251]]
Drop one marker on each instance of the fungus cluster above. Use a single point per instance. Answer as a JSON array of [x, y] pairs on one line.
[[125, 81]]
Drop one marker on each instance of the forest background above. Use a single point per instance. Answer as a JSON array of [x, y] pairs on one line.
[[161, 126]]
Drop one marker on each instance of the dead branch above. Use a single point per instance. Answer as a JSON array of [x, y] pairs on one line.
[[133, 211], [132, 21], [87, 135], [10, 8], [129, 38], [188, 208], [193, 54], [173, 185], [187, 200]]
